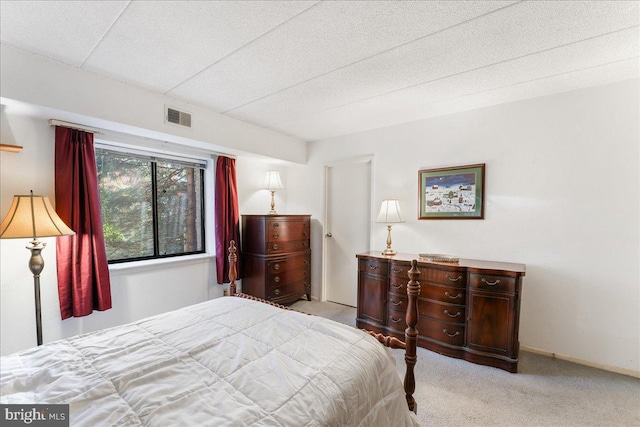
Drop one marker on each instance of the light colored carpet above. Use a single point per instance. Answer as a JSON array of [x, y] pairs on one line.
[[544, 392]]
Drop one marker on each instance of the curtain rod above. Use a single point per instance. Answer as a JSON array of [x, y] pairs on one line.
[[55, 122]]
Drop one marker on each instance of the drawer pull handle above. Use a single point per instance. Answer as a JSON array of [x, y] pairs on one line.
[[276, 279], [453, 297], [451, 279], [305, 234], [306, 261], [397, 286], [396, 270], [276, 291], [497, 282], [306, 225], [276, 266], [276, 235], [394, 320], [275, 246], [452, 315], [304, 243], [373, 266], [451, 335], [396, 303]]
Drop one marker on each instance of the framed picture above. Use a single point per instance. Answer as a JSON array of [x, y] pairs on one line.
[[451, 193]]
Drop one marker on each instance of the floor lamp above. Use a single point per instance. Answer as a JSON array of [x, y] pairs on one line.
[[34, 217]]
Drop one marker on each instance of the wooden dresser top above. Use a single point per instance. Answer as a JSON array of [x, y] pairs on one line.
[[519, 269]]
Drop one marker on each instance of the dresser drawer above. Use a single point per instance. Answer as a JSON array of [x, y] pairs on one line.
[[291, 263], [398, 286], [373, 267], [397, 320], [436, 310], [493, 283], [274, 293], [282, 231], [398, 270], [398, 302], [287, 246], [444, 332], [444, 277], [443, 293], [442, 311], [287, 276]]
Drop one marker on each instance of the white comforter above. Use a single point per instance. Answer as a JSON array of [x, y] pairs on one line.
[[225, 362]]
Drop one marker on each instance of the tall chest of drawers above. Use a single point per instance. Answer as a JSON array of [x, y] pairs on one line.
[[276, 257], [469, 310]]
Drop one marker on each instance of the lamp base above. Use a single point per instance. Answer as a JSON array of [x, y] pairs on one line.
[[389, 251], [36, 264], [273, 204]]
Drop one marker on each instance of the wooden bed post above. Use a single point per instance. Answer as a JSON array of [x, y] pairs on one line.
[[233, 271], [411, 335], [410, 343]]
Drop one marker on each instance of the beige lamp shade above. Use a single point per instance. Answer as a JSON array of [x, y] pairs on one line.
[[32, 216], [272, 181], [390, 212]]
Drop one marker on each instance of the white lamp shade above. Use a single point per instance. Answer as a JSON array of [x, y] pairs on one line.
[[272, 181], [32, 216], [390, 212]]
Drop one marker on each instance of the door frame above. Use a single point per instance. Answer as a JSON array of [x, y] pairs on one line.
[[369, 158]]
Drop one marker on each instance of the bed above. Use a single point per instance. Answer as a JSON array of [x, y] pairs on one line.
[[231, 361]]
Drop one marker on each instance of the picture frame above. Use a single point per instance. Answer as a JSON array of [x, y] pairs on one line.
[[455, 192]]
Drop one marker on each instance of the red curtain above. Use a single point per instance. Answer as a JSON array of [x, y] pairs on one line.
[[226, 215], [83, 272]]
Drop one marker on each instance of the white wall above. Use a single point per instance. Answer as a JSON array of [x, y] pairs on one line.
[[561, 196]]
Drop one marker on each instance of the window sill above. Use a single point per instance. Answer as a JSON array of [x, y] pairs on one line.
[[154, 264]]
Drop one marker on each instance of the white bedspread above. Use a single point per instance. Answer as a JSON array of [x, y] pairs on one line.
[[225, 362]]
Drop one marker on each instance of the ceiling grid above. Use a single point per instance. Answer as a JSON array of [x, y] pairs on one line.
[[319, 69]]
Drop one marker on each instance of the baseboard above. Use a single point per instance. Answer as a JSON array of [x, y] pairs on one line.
[[615, 369]]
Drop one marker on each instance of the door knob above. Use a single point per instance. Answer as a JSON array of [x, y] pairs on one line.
[[329, 235]]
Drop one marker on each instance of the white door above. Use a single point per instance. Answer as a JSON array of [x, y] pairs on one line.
[[347, 226]]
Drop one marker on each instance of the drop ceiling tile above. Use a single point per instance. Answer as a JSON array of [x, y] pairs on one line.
[[567, 59], [600, 75], [522, 29], [66, 31], [318, 69], [329, 36], [159, 44]]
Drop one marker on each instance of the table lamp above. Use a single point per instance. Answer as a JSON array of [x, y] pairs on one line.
[[389, 214], [272, 183]]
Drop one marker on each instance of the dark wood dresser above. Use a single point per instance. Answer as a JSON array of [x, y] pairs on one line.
[[469, 310], [276, 257]]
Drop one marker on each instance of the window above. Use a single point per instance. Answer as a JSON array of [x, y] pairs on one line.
[[151, 207]]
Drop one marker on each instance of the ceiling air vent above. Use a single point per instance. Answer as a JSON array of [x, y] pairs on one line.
[[178, 117]]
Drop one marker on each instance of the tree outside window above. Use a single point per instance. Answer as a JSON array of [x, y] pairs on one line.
[[151, 208]]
